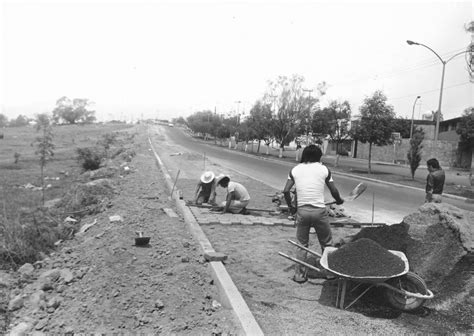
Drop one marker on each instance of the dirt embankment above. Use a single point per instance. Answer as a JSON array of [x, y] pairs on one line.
[[101, 282]]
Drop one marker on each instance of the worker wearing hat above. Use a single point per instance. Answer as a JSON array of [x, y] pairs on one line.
[[237, 195], [206, 189]]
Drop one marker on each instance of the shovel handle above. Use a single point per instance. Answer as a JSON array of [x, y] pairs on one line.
[[299, 261]]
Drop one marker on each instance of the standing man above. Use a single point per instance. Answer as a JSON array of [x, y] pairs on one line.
[[309, 178], [206, 189], [237, 195], [434, 181]]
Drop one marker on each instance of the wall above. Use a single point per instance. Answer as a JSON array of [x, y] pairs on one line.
[[443, 150]]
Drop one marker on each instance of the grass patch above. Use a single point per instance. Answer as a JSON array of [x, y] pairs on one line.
[[26, 229]]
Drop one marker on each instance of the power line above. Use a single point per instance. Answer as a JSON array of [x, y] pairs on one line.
[[435, 90]]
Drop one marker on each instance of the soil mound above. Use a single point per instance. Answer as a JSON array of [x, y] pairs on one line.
[[365, 258], [88, 198]]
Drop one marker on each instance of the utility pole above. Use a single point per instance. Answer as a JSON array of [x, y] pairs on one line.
[[412, 116]]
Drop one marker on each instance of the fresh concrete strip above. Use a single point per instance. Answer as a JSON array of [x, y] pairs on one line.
[[229, 294]]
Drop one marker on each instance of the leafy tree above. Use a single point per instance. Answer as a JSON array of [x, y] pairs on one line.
[[466, 128], [73, 111], [291, 107], [334, 121], [402, 126], [3, 120], [44, 144], [414, 153], [21, 120], [260, 120], [375, 124]]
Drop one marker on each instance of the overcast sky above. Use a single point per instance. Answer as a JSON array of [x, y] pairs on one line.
[[163, 59]]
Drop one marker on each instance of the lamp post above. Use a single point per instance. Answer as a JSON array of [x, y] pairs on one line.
[[443, 62], [412, 116]]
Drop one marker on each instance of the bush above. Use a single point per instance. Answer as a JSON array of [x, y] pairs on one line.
[[342, 152], [89, 158]]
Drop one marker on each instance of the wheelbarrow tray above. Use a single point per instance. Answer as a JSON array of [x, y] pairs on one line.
[[369, 279]]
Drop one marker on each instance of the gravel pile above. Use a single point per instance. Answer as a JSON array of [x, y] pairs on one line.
[[365, 258]]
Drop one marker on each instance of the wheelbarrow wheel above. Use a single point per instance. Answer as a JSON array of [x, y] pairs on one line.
[[410, 282]]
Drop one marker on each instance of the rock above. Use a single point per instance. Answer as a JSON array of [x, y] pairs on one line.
[[36, 300], [185, 259], [54, 302], [26, 269], [66, 275], [52, 274], [115, 218], [20, 329], [159, 304], [41, 324], [215, 256], [16, 303]]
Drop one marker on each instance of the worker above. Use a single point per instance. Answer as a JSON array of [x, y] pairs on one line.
[[434, 181], [309, 178], [237, 197], [206, 189]]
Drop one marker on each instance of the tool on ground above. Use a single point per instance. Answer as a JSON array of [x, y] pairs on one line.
[[175, 180], [141, 240], [405, 291], [356, 192]]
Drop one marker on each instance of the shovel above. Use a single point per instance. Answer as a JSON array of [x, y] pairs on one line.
[[141, 240], [356, 192]]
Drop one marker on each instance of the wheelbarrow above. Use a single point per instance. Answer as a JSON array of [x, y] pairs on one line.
[[404, 291]]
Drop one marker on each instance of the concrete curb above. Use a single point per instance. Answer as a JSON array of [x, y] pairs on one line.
[[459, 198], [229, 294]]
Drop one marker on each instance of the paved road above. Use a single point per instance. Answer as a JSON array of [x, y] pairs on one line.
[[390, 203]]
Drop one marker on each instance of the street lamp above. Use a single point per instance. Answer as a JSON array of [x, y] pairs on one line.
[[412, 116], [438, 113]]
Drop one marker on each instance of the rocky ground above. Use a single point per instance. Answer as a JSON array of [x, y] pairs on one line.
[[100, 282]]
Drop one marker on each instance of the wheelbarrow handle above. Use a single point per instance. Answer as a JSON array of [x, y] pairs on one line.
[[304, 248], [299, 262]]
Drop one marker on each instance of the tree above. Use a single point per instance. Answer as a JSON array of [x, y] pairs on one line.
[[291, 107], [466, 131], [3, 120], [334, 121], [375, 124], [73, 112], [402, 126], [260, 121], [414, 153], [21, 120], [44, 144], [466, 128]]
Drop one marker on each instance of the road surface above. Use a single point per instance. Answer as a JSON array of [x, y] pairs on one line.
[[381, 203]]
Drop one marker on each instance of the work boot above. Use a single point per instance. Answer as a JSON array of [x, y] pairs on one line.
[[300, 274]]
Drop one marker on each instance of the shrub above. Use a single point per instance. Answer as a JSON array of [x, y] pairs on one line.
[[89, 158], [342, 152]]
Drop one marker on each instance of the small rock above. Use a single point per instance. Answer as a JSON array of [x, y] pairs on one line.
[[20, 329], [215, 256], [159, 304], [185, 259], [36, 300], [54, 302], [115, 218], [186, 244], [16, 303], [41, 324], [66, 275], [216, 304], [26, 270], [51, 310]]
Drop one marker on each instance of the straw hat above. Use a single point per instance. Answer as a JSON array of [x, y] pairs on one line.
[[207, 177]]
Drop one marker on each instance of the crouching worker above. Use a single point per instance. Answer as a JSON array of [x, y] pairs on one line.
[[206, 189], [237, 196]]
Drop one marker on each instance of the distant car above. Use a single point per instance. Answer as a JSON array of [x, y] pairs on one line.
[[170, 125]]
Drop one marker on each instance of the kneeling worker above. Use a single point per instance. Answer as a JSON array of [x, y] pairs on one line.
[[206, 189], [237, 196]]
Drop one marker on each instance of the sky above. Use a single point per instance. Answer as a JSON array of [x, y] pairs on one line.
[[165, 59]]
